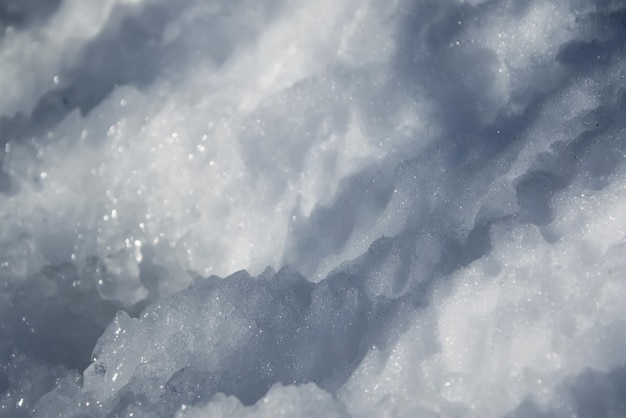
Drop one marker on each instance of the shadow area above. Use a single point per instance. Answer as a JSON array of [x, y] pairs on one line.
[[19, 14], [277, 327], [55, 317], [128, 53], [590, 394], [599, 395]]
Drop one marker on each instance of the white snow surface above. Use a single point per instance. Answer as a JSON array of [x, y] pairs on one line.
[[305, 208]]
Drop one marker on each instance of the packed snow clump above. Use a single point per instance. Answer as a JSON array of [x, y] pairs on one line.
[[312, 208]]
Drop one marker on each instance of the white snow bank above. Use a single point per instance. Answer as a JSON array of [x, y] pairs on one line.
[[443, 179]]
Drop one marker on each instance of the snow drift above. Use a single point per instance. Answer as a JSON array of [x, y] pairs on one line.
[[312, 208]]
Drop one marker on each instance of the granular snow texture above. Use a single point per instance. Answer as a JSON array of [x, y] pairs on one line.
[[299, 208]]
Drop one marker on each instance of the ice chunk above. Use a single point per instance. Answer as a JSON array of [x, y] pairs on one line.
[[281, 401]]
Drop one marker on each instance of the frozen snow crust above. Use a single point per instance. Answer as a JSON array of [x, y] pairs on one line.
[[437, 187]]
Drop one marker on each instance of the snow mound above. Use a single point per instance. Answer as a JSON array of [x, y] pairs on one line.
[[312, 208]]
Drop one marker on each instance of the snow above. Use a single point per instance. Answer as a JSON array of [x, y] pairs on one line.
[[312, 208]]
